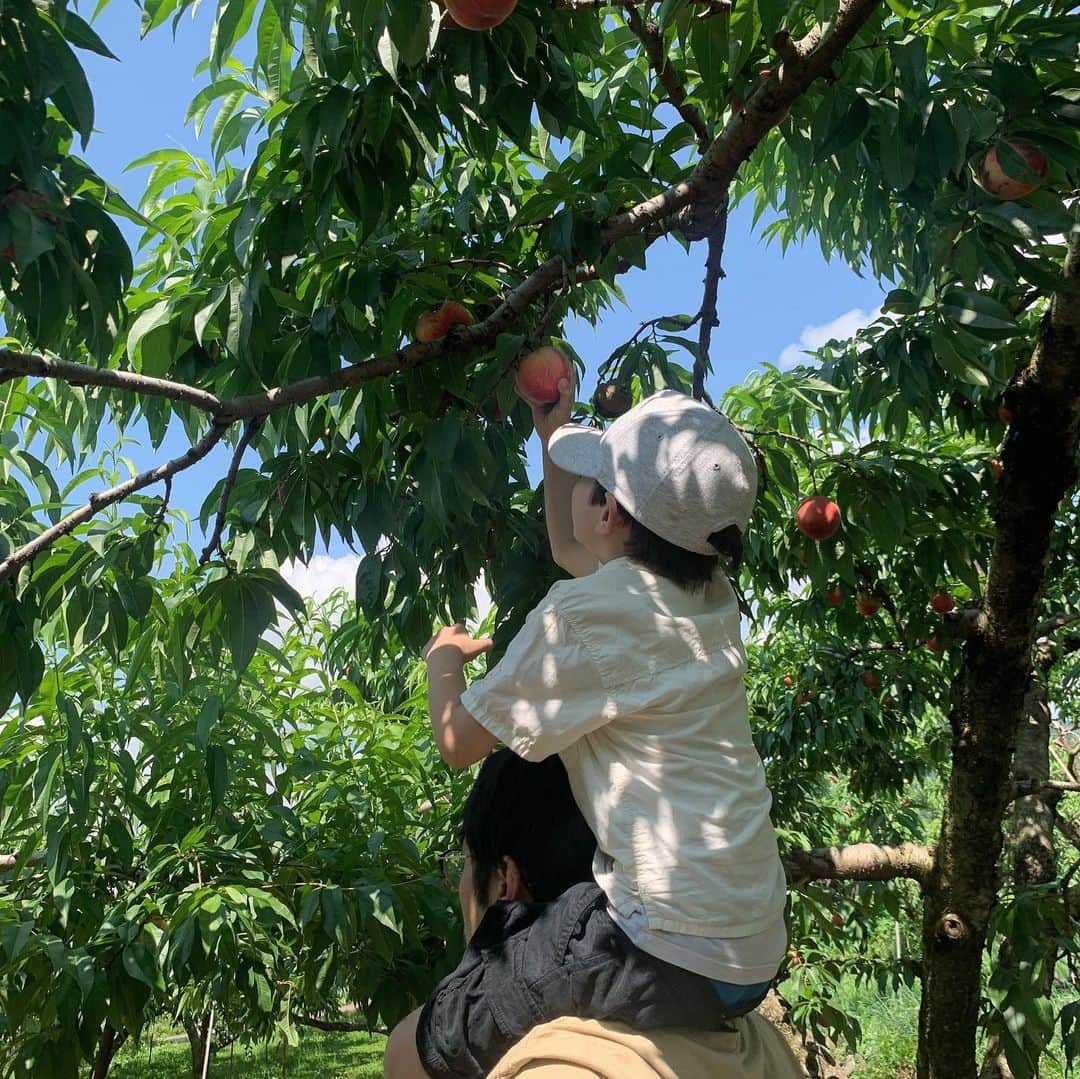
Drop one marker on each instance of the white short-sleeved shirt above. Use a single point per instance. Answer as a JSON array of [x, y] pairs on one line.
[[637, 684]]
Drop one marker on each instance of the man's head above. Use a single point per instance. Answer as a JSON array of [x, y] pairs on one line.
[[670, 483], [523, 835]]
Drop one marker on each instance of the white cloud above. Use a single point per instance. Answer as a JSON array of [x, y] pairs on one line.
[[322, 575], [813, 337]]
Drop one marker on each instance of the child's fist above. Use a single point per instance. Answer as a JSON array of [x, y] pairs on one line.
[[455, 639], [547, 419]]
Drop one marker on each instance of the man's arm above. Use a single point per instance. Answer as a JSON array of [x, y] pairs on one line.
[[402, 1059], [461, 739], [558, 488]]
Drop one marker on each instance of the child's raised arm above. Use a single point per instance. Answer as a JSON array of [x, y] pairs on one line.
[[559, 486]]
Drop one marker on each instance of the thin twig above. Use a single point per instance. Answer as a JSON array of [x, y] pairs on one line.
[[100, 499], [648, 33], [650, 324], [250, 430], [159, 517]]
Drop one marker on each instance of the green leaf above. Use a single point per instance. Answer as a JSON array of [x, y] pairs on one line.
[[232, 22], [79, 32], [387, 52], [217, 774], [206, 312], [73, 720], [772, 14], [140, 962], [230, 86], [976, 311], [949, 357], [72, 92], [208, 717], [901, 301], [371, 585]]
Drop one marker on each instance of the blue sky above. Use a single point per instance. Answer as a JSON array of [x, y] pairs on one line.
[[770, 305]]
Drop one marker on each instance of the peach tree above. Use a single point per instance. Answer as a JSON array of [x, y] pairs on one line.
[[372, 162]]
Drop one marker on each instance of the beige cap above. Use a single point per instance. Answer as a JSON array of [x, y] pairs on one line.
[[673, 463]]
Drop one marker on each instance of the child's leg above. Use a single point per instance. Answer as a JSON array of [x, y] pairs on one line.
[[529, 963], [739, 999]]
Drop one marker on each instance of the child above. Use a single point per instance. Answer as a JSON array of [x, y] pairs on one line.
[[633, 674]]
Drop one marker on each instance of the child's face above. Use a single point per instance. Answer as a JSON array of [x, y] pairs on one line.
[[599, 527], [584, 514]]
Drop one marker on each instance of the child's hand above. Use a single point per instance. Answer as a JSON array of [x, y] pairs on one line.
[[455, 639], [547, 419]]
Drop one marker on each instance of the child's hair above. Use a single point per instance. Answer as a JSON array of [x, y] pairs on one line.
[[688, 569], [525, 809]]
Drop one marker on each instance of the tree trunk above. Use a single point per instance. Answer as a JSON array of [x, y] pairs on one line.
[[199, 1035], [108, 1046], [1039, 461], [1031, 843]]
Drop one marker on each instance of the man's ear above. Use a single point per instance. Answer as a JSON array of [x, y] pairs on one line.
[[511, 882]]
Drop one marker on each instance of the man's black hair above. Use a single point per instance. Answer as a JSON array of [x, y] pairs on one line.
[[688, 569], [525, 809]]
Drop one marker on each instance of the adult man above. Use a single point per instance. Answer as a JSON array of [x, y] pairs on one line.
[[527, 861]]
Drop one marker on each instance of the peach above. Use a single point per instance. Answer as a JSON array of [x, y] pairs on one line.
[[539, 374]]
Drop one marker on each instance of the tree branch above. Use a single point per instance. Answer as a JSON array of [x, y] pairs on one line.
[[1023, 787], [714, 270], [81, 374], [860, 861], [710, 180], [652, 41], [100, 499], [1052, 625], [334, 1025], [706, 188], [9, 861], [226, 490]]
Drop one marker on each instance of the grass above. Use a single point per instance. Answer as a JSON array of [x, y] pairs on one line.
[[887, 1050], [318, 1056], [890, 1024]]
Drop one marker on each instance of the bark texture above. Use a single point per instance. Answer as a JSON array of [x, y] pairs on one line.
[[199, 1032], [1030, 842], [108, 1046], [1039, 461]]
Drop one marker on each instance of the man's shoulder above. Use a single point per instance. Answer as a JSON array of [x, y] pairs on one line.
[[570, 1047], [506, 918]]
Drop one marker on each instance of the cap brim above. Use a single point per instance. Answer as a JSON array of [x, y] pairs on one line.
[[577, 449]]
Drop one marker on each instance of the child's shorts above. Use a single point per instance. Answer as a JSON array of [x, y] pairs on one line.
[[529, 963]]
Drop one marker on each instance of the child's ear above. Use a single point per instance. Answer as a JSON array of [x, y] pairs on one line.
[[612, 517]]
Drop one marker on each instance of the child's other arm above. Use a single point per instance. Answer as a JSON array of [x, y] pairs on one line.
[[558, 488], [461, 740]]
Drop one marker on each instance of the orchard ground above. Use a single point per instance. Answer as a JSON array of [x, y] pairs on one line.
[[889, 1024]]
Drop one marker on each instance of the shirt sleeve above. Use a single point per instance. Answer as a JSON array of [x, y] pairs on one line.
[[545, 693]]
